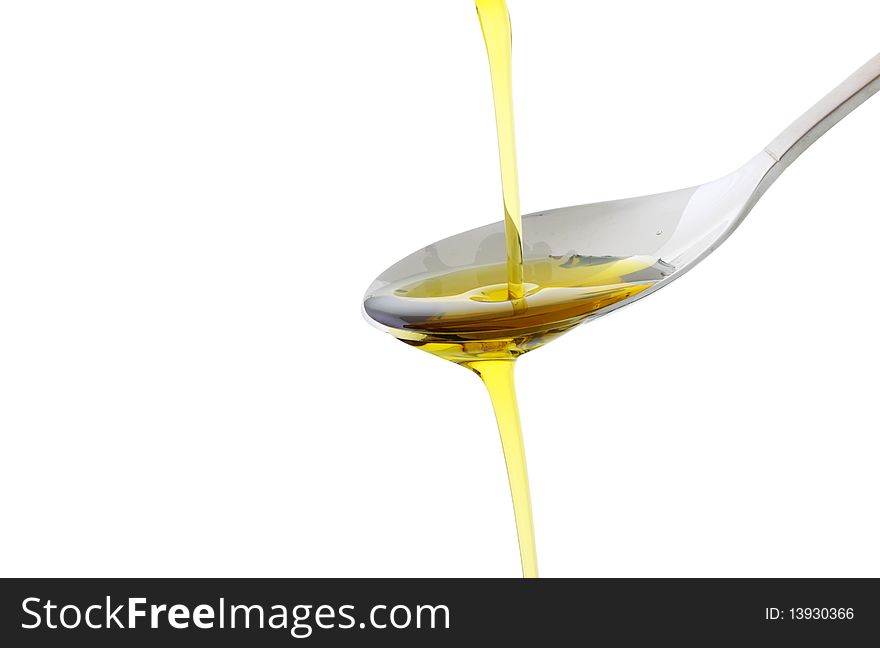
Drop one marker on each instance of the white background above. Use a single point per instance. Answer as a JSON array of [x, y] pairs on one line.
[[194, 196]]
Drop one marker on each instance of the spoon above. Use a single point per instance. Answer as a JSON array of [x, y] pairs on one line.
[[677, 228]]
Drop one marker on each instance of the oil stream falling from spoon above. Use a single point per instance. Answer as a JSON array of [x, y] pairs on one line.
[[486, 314], [497, 375]]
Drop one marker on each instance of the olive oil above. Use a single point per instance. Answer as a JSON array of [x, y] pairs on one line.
[[483, 316]]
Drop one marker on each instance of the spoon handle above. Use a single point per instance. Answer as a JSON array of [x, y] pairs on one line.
[[836, 105]]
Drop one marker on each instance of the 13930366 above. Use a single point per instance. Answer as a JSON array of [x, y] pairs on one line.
[[810, 614], [821, 614]]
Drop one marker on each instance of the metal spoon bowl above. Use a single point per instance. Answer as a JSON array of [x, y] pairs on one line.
[[677, 228]]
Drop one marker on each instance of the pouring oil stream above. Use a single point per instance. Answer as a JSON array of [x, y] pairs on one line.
[[485, 315], [495, 23], [497, 375]]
